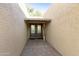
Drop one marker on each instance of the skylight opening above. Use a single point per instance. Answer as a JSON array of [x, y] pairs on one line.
[[34, 10]]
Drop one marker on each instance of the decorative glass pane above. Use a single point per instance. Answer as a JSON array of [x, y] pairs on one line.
[[32, 28], [38, 28]]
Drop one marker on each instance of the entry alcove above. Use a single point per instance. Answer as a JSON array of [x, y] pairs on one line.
[[36, 27]]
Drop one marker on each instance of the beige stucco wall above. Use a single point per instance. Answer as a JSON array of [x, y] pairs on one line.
[[12, 29], [63, 31]]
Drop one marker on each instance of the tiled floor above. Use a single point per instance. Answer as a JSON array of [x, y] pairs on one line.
[[39, 47]]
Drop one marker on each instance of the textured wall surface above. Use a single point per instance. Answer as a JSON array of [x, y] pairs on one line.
[[12, 29], [63, 31]]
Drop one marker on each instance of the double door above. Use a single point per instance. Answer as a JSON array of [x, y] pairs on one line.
[[36, 31]]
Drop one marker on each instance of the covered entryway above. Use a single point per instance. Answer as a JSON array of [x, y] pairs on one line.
[[36, 28]]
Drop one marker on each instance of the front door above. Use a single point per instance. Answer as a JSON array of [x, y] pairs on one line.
[[36, 31]]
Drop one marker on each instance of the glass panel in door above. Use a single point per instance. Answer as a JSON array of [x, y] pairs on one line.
[[32, 29], [38, 29]]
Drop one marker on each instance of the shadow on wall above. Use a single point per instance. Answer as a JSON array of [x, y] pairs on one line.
[[12, 29]]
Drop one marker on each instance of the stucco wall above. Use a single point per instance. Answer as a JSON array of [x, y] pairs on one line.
[[12, 29], [63, 31]]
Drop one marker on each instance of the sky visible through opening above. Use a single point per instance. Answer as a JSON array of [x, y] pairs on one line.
[[38, 9], [40, 6]]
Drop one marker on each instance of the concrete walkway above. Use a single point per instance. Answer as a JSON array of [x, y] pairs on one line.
[[39, 47]]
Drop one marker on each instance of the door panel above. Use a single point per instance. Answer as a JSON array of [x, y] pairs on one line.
[[39, 29], [32, 29]]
